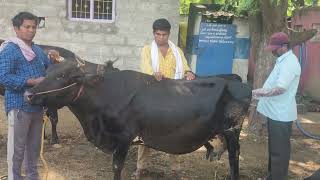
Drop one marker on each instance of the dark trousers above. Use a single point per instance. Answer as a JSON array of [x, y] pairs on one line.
[[279, 149]]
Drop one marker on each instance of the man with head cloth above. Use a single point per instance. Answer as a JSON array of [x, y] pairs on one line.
[[162, 59]]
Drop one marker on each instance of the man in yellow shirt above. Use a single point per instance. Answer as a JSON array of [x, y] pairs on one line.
[[162, 59]]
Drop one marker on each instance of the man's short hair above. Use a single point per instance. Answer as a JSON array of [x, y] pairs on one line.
[[161, 24], [18, 19]]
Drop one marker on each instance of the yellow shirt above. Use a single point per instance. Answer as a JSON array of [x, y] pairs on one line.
[[167, 65]]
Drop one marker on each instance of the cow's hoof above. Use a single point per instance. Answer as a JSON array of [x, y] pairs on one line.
[[57, 146]]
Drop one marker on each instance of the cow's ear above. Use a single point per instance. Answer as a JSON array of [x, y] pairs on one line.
[[239, 90], [91, 79]]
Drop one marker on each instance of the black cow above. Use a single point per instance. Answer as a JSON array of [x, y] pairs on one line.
[[51, 112], [173, 116]]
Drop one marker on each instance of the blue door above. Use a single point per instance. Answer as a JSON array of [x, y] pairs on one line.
[[216, 46]]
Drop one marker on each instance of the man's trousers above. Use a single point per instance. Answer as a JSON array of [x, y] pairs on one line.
[[279, 149], [24, 139]]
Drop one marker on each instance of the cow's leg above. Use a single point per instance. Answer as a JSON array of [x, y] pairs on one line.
[[233, 147], [118, 158], [53, 116]]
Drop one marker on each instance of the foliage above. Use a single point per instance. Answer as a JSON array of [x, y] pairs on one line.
[[246, 7], [184, 4], [241, 6], [296, 4], [252, 6]]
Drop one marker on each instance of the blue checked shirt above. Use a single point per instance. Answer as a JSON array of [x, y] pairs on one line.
[[15, 70]]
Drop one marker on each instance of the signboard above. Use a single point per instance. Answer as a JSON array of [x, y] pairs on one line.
[[213, 34], [216, 47]]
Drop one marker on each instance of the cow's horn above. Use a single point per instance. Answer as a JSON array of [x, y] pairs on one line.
[[115, 60]]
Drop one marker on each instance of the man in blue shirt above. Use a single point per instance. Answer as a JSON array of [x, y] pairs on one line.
[[277, 102], [22, 65]]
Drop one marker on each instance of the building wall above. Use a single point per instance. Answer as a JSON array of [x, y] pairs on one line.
[[240, 52], [242, 49], [309, 54], [96, 42]]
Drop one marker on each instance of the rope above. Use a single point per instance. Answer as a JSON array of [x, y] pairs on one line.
[[46, 169], [55, 90]]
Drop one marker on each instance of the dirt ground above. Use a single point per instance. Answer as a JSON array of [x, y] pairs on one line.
[[77, 159]]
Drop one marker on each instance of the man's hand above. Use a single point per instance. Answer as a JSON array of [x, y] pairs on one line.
[[34, 81], [158, 76], [188, 75], [267, 92], [54, 56], [259, 92]]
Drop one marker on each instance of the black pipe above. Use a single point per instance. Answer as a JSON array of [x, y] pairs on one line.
[[306, 133]]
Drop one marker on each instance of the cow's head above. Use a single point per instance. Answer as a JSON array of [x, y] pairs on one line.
[[63, 85]]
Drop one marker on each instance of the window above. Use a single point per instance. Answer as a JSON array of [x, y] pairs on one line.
[[316, 38], [91, 10], [298, 28]]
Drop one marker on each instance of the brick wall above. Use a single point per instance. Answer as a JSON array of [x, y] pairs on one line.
[[96, 42]]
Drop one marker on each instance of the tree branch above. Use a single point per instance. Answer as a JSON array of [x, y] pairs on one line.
[[283, 7], [296, 38], [273, 18], [265, 7], [274, 3]]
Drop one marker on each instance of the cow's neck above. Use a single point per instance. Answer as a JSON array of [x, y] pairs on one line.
[[91, 120], [99, 108], [98, 114]]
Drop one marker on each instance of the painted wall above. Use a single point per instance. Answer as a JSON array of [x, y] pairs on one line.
[[96, 42], [242, 48], [240, 52], [309, 54]]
